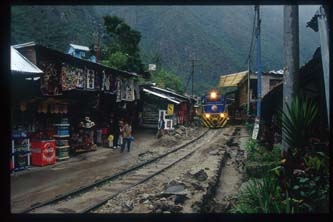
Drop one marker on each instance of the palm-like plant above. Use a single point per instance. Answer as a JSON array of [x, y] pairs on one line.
[[298, 121]]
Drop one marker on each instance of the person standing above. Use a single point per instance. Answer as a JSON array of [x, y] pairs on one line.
[[127, 136], [114, 122], [160, 127]]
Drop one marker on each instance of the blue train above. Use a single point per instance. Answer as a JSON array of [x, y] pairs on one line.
[[212, 110]]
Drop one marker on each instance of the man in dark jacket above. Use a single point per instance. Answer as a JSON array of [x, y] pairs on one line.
[[114, 122]]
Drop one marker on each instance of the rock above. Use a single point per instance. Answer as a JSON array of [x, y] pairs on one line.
[[194, 170], [177, 136], [144, 196], [158, 211], [179, 132], [176, 190], [213, 152], [128, 205], [172, 198], [146, 202], [179, 199], [197, 186], [177, 208], [201, 175]]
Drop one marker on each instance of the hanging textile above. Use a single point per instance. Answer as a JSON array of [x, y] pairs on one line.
[[68, 78], [113, 84], [123, 89], [90, 79], [129, 90], [50, 82], [81, 78], [137, 90], [105, 82], [118, 83], [98, 81]]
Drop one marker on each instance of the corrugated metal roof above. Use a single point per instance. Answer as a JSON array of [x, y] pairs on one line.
[[169, 92], [23, 45], [171, 99], [80, 47], [232, 79], [19, 63]]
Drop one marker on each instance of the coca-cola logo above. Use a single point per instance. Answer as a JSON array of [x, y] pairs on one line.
[[48, 152]]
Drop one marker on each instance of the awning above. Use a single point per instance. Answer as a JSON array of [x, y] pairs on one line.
[[171, 99], [19, 63], [232, 79]]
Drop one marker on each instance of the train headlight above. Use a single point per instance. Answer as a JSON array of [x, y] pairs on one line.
[[207, 115], [222, 115], [213, 95]]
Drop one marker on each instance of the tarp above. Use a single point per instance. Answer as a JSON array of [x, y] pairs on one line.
[[19, 63], [232, 79]]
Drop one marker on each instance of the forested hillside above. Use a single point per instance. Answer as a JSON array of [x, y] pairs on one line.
[[218, 37]]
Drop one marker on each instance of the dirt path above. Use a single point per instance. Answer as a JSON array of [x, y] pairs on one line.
[[229, 180], [232, 173]]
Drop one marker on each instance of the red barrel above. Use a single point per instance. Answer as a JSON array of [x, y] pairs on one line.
[[43, 152]]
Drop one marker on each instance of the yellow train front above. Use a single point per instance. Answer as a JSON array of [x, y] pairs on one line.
[[212, 110]]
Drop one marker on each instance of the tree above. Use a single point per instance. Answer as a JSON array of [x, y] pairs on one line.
[[124, 49], [165, 79]]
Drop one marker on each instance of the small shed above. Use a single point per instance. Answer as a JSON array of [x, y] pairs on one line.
[[242, 95], [178, 108], [78, 51]]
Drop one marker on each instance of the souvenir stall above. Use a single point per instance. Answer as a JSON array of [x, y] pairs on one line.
[[37, 118], [69, 83], [81, 85], [20, 151], [83, 139]]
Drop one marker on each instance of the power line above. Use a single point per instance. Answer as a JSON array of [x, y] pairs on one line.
[[248, 59]]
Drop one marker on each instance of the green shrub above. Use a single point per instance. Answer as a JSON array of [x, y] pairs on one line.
[[262, 196]]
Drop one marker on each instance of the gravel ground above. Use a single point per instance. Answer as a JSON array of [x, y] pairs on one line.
[[191, 180]]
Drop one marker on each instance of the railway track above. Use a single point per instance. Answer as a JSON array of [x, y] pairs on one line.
[[89, 198]]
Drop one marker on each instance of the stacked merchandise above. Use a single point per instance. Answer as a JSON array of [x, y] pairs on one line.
[[62, 137], [20, 155]]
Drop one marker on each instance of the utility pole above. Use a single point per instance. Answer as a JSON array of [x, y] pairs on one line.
[[98, 46], [248, 89], [291, 56], [192, 60], [257, 120], [192, 73], [257, 7]]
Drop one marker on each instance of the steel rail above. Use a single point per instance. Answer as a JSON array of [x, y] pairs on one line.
[[100, 182]]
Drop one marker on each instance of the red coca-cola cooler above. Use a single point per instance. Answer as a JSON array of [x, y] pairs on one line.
[[43, 152]]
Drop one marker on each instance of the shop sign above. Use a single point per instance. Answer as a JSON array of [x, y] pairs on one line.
[[170, 109]]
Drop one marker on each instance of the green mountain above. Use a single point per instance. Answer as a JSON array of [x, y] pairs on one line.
[[217, 37]]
